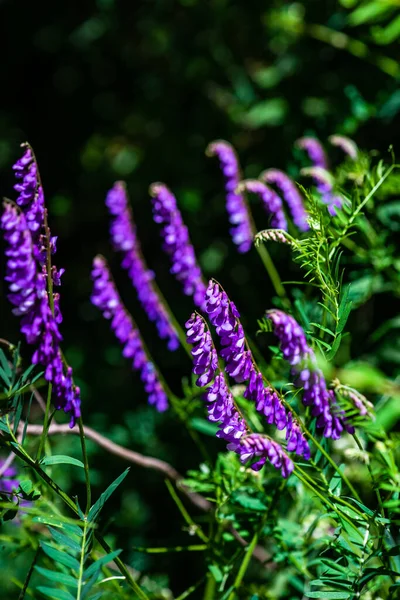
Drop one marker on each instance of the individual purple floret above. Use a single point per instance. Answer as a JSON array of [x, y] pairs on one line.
[[314, 150], [28, 294], [301, 357], [124, 238], [205, 359], [290, 194], [347, 145], [105, 296], [177, 243], [270, 199], [30, 193], [224, 315], [236, 206]]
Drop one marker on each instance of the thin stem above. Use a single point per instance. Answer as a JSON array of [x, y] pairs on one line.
[[190, 590], [273, 274], [86, 465], [82, 560], [244, 565], [374, 483], [196, 528], [209, 591], [46, 423], [29, 574]]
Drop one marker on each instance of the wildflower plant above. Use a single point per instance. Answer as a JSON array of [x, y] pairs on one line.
[[298, 497]]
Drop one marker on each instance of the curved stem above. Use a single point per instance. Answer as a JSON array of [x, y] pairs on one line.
[[273, 274], [45, 423]]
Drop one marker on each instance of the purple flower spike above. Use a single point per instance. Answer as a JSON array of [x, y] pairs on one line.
[[270, 199], [290, 194], [314, 150], [123, 235], [224, 316], [347, 145], [30, 198], [236, 206], [300, 356], [324, 184], [105, 296], [177, 243], [263, 448], [27, 286], [205, 359]]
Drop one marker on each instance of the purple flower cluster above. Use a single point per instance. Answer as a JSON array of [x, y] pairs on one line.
[[251, 448], [27, 286], [205, 359], [30, 192], [270, 199], [300, 356], [314, 150], [124, 238], [290, 194], [8, 481], [240, 365], [224, 315], [177, 243], [236, 206], [347, 145], [320, 174], [106, 298]]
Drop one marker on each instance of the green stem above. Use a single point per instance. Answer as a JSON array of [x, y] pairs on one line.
[[82, 560], [46, 423], [196, 528], [243, 567], [29, 574], [190, 590], [86, 465], [209, 591], [273, 274]]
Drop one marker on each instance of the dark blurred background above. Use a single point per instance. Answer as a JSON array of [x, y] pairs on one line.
[[107, 90]]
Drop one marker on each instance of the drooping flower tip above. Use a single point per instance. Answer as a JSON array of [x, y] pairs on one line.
[[30, 192], [177, 243], [314, 150], [105, 296], [290, 194], [236, 205], [263, 448], [272, 203], [125, 240], [347, 145], [324, 183], [205, 359]]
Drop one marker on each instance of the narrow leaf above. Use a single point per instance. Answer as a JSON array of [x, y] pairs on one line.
[[61, 557], [96, 508], [96, 566], [54, 593], [64, 540], [61, 459], [58, 577]]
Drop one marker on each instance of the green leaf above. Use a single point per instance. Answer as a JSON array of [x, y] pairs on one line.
[[249, 502], [55, 593], [344, 310], [64, 540], [96, 566], [6, 371], [269, 112], [369, 11], [323, 328], [58, 577], [96, 508], [216, 573], [204, 426], [335, 347], [4, 427], [331, 595], [27, 489], [61, 557], [61, 459]]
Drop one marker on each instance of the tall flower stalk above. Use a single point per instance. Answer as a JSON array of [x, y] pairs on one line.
[[177, 243], [105, 297], [290, 194], [125, 240], [31, 278], [236, 206]]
